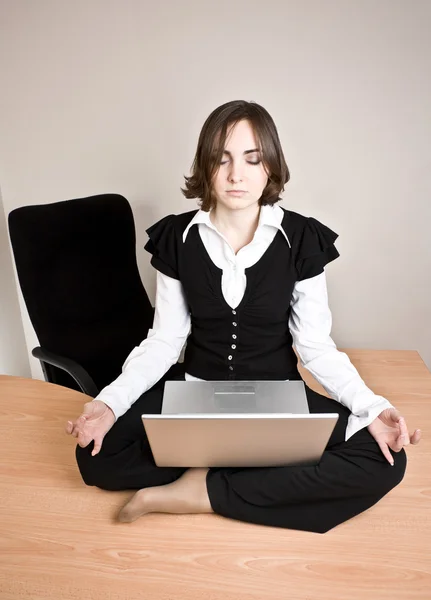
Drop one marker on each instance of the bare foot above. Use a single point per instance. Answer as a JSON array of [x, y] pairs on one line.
[[188, 494], [138, 506]]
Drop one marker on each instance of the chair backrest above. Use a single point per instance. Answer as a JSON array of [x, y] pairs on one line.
[[76, 264]]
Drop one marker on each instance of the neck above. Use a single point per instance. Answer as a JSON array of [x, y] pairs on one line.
[[237, 226], [240, 222]]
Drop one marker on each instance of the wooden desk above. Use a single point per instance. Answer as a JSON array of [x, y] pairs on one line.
[[59, 539]]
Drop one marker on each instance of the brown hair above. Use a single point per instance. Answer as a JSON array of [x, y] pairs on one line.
[[211, 145]]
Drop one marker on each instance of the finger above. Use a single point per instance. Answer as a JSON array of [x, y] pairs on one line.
[[415, 439], [398, 444], [404, 432], [97, 446], [385, 451], [73, 425], [403, 426], [77, 427], [83, 439]]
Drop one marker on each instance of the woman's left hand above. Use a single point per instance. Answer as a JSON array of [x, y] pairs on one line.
[[389, 430]]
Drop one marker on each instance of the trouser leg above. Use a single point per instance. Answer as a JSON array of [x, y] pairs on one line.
[[351, 477]]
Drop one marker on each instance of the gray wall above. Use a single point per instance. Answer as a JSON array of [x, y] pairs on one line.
[[13, 350], [110, 96]]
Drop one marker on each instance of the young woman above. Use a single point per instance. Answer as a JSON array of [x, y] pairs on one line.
[[246, 279]]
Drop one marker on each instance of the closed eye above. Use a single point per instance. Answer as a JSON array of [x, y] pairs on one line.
[[250, 162]]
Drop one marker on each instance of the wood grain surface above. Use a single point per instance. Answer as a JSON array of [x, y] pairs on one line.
[[59, 539]]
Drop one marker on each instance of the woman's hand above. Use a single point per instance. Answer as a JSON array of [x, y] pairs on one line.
[[389, 430], [94, 423]]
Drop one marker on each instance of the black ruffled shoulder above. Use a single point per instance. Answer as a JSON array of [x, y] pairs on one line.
[[163, 246], [316, 249]]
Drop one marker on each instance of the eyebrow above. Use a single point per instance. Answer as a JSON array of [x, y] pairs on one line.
[[245, 151]]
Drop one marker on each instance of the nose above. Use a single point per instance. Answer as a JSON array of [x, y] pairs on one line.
[[235, 174]]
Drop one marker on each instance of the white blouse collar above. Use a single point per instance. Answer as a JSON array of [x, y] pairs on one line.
[[271, 216]]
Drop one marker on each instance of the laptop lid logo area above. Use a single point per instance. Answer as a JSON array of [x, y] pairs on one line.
[[200, 397], [223, 389]]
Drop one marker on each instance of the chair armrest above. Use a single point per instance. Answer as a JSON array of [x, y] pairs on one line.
[[79, 374]]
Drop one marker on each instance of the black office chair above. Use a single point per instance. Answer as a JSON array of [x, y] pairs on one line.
[[76, 264]]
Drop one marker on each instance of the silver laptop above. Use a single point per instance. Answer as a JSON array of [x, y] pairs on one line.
[[237, 424]]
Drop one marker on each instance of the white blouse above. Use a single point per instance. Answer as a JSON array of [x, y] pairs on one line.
[[310, 325]]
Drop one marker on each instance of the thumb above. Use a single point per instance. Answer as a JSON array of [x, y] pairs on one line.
[[89, 409], [97, 445], [385, 451], [394, 415]]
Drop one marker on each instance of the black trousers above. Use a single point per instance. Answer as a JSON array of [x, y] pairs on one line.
[[350, 478]]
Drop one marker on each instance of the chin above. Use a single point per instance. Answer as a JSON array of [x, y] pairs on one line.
[[239, 203]]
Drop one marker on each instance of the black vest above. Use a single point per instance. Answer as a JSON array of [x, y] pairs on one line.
[[252, 341]]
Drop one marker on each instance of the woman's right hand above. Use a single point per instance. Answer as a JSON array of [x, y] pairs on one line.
[[94, 423]]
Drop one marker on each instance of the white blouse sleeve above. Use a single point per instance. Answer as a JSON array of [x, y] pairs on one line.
[[148, 362], [310, 324]]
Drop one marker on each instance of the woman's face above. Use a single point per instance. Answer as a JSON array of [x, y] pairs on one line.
[[241, 169]]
